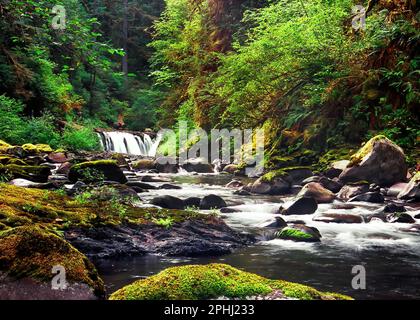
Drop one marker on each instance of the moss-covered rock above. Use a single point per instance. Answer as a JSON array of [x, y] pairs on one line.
[[300, 233], [31, 252], [32, 149], [212, 281], [92, 171], [412, 190], [144, 164], [31, 173], [5, 160], [380, 161], [275, 183], [4, 146]]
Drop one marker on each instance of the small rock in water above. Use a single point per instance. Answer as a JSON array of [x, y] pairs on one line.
[[141, 185], [229, 210], [235, 184], [300, 206], [372, 197], [392, 208], [351, 191], [193, 202], [168, 186], [318, 192], [336, 217], [300, 233], [168, 202], [331, 185], [400, 217], [242, 192], [212, 202], [278, 223]]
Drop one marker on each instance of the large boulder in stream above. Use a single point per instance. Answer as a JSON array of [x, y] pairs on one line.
[[300, 206], [93, 171], [273, 183], [318, 192], [168, 202], [198, 165], [380, 161], [412, 190], [212, 202]]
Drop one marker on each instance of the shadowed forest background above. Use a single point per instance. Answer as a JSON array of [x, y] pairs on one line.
[[295, 68]]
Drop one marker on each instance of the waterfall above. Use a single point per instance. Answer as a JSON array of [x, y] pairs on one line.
[[127, 143]]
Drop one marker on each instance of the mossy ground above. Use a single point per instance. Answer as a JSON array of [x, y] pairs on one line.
[[201, 282], [52, 209]]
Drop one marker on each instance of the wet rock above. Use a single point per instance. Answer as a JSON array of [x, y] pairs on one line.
[[140, 184], [396, 189], [235, 184], [338, 217], [372, 197], [400, 217], [417, 216], [343, 206], [155, 179], [198, 165], [351, 191], [212, 202], [64, 168], [193, 202], [29, 184], [167, 165], [300, 206], [392, 208], [272, 184], [311, 179], [229, 210], [380, 161], [299, 174], [242, 192], [97, 170], [412, 190], [318, 192], [231, 168], [300, 233], [57, 157], [168, 186], [277, 224], [336, 169], [32, 173], [168, 202], [333, 186]]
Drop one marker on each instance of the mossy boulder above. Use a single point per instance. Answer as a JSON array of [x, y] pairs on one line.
[[300, 233], [92, 171], [31, 253], [31, 173], [5, 160], [202, 282], [33, 149], [4, 146], [380, 161], [144, 164], [275, 183]]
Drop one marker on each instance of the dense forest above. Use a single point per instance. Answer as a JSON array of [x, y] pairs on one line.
[[300, 70]]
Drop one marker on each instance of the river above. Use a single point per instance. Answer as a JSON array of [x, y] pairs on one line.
[[390, 255]]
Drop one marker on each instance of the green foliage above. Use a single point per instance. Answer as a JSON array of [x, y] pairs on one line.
[[80, 139], [164, 222]]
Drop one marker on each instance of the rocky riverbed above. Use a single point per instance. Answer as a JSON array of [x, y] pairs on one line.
[[113, 207]]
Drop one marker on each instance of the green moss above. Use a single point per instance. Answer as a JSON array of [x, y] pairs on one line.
[[324, 162], [143, 164], [31, 252], [99, 170], [5, 160], [37, 148], [281, 173], [294, 234], [358, 157], [33, 173], [201, 282]]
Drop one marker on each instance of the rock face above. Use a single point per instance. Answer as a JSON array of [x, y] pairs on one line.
[[380, 161], [212, 202], [318, 192], [97, 170], [168, 202], [300, 233], [300, 206], [412, 190], [28, 254]]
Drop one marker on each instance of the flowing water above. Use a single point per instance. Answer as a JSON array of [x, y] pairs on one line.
[[390, 255], [127, 143]]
